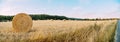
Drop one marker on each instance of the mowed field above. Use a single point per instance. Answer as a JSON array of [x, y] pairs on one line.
[[61, 31]]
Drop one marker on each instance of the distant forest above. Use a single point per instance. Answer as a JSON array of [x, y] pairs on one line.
[[39, 17], [51, 17]]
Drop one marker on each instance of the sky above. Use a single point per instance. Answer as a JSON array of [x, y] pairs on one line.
[[69, 8]]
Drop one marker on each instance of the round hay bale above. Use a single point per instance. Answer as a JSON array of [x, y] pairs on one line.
[[22, 22]]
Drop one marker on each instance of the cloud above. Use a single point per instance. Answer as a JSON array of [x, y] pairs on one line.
[[77, 8], [93, 10], [8, 7]]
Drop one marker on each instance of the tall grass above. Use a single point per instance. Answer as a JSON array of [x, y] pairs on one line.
[[62, 31]]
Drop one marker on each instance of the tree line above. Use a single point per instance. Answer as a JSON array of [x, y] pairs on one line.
[[53, 17], [39, 17]]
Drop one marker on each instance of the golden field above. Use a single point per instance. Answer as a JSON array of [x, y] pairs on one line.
[[61, 31]]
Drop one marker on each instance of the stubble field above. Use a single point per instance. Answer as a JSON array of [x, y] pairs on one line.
[[61, 31]]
